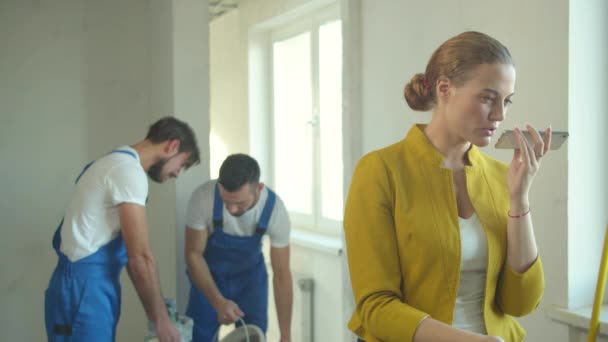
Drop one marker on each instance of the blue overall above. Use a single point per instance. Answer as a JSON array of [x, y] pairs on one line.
[[238, 269], [82, 302]]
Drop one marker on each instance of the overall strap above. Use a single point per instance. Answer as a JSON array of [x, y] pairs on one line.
[[125, 152], [266, 212], [86, 167], [91, 163], [218, 207], [56, 236]]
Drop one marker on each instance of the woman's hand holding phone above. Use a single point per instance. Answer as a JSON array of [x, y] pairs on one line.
[[526, 163]]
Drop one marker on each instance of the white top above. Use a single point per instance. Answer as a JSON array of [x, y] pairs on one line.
[[200, 216], [468, 312], [91, 219]]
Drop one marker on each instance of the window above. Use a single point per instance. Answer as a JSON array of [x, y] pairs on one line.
[[306, 120]]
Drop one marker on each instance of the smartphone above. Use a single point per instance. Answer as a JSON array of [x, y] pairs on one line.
[[508, 139]]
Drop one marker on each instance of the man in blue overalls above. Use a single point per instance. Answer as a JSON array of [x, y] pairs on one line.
[[225, 223], [104, 228]]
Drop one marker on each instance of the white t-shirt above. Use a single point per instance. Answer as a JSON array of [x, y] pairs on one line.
[[200, 216], [92, 219], [468, 312]]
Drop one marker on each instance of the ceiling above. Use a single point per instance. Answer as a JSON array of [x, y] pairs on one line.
[[220, 7]]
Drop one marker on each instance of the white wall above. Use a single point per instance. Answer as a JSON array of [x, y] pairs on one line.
[[582, 335], [325, 269], [227, 96], [79, 78], [588, 158]]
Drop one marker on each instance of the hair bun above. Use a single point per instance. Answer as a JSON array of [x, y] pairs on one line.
[[417, 93]]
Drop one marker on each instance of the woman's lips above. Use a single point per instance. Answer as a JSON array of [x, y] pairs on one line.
[[488, 132]]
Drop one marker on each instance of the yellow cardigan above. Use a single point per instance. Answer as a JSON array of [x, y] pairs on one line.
[[403, 243]]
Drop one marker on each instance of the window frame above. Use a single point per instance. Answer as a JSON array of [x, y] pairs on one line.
[[307, 23]]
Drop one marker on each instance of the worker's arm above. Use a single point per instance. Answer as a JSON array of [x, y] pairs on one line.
[[196, 240], [283, 289], [141, 267]]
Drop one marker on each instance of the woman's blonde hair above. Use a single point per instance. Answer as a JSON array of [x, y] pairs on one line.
[[454, 59]]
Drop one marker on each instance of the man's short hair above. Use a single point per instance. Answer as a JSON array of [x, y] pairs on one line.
[[170, 128], [238, 170]]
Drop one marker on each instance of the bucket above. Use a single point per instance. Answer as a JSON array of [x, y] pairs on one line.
[[243, 333]]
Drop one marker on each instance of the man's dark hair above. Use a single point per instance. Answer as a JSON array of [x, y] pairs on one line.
[[170, 128], [237, 170]]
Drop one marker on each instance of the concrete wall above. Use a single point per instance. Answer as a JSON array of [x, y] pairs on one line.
[[78, 78], [43, 147]]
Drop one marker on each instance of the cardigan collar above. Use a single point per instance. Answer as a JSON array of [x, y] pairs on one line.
[[417, 142]]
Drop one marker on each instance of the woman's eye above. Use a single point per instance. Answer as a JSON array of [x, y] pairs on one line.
[[487, 99], [508, 102]]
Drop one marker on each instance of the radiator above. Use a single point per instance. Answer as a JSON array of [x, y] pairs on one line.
[[303, 322]]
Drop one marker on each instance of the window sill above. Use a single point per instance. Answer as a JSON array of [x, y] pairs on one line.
[[319, 242], [579, 318]]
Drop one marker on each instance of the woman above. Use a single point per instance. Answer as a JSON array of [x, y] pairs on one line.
[[439, 235]]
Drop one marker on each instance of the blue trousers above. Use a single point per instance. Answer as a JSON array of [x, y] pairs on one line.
[[80, 307]]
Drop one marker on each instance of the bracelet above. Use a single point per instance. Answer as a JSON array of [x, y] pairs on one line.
[[518, 216]]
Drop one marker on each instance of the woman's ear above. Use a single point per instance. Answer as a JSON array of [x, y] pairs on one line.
[[443, 87]]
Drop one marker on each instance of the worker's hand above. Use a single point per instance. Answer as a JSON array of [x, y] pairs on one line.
[[228, 312], [167, 332]]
